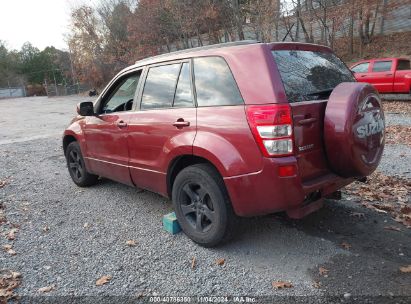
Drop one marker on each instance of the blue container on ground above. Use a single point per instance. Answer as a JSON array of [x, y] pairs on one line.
[[171, 224]]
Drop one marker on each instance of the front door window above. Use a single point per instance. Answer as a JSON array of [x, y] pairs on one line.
[[121, 98]]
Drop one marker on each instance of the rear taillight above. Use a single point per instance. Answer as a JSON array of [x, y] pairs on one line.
[[272, 129]]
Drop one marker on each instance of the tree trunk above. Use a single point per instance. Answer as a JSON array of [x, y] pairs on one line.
[[301, 21], [238, 19], [351, 31], [384, 5], [277, 18]]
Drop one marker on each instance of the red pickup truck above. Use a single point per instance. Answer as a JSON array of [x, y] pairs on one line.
[[387, 75]]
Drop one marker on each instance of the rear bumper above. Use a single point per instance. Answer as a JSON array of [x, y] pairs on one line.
[[264, 192]]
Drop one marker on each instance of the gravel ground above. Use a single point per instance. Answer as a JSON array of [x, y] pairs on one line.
[[397, 119], [70, 237]]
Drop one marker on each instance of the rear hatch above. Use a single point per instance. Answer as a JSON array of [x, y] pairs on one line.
[[309, 75]]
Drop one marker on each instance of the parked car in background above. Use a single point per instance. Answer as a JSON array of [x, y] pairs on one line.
[[387, 75], [237, 129]]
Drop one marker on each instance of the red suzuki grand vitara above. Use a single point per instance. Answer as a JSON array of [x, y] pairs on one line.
[[237, 129]]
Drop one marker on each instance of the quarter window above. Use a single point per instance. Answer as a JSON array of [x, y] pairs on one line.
[[382, 66], [183, 97], [159, 87], [215, 85], [361, 68], [403, 65]]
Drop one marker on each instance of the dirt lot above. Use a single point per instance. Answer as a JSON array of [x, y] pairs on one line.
[[61, 239]]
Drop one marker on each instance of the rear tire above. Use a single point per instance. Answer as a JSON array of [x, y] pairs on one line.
[[77, 168], [202, 206]]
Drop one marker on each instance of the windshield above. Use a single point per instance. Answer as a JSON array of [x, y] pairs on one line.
[[308, 75]]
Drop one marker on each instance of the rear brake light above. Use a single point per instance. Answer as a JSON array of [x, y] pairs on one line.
[[272, 129]]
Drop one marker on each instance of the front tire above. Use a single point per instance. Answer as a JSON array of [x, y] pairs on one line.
[[77, 168], [202, 206]]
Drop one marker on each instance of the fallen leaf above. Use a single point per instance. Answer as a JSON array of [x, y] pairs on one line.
[[46, 228], [345, 245], [3, 218], [103, 280], [317, 284], [220, 262], [9, 280], [46, 288], [406, 210], [139, 295], [357, 214], [15, 275], [11, 252], [385, 207], [11, 235], [131, 243], [193, 263], [3, 183], [323, 271], [281, 284], [380, 210], [7, 247], [406, 269], [392, 228]]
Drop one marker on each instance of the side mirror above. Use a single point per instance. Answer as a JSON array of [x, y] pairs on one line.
[[85, 108]]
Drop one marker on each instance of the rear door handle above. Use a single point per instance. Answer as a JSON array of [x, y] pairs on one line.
[[307, 121], [121, 124], [181, 123]]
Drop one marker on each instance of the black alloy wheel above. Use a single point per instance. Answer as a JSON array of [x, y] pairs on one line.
[[202, 206], [77, 168], [197, 207], [76, 165]]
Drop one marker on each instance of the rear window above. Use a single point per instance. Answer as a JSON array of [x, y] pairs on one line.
[[382, 66], [403, 65], [308, 75]]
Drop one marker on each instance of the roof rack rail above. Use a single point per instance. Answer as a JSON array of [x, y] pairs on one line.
[[201, 48]]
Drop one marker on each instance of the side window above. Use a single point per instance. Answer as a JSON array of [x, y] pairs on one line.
[[361, 68], [183, 97], [382, 66], [159, 87], [122, 96], [215, 85], [403, 65]]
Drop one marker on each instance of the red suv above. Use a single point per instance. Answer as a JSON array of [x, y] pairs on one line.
[[238, 129]]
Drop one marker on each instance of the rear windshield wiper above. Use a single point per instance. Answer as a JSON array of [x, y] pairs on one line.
[[321, 93]]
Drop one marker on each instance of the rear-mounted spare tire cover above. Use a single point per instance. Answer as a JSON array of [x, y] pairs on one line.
[[354, 129]]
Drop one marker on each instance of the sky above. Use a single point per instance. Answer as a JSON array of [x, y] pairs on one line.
[[42, 22]]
